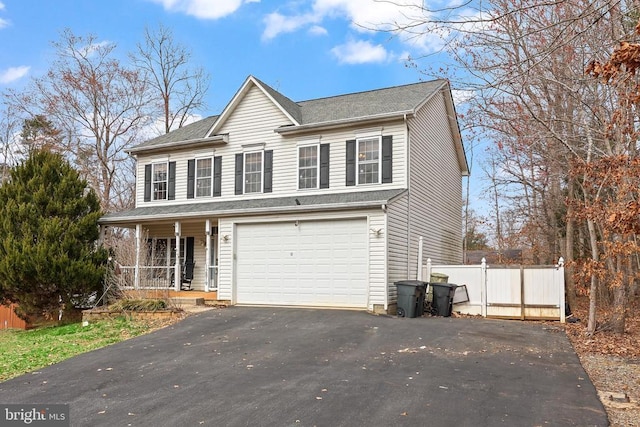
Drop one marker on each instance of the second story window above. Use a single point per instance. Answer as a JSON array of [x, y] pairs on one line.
[[308, 166], [160, 181], [253, 172], [369, 160], [204, 176]]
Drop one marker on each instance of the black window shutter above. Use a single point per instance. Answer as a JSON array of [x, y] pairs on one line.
[[188, 256], [171, 193], [351, 162], [191, 178], [324, 165], [387, 159], [147, 183], [217, 176], [239, 174], [268, 171]]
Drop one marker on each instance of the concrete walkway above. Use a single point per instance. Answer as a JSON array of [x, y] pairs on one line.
[[245, 366]]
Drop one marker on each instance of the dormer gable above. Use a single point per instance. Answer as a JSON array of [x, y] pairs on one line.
[[290, 109]]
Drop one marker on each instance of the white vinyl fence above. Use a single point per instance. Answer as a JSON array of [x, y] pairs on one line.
[[510, 292]]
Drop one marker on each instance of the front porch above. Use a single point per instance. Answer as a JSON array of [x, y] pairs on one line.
[[175, 259]]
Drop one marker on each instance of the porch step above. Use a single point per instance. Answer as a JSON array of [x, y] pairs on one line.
[[181, 301]]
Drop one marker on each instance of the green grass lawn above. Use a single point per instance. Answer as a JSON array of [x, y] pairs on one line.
[[26, 351]]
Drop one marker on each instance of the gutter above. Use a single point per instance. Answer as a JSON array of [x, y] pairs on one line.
[[244, 212], [335, 124], [223, 138]]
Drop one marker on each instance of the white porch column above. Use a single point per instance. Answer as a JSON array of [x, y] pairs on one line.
[[136, 274], [177, 272], [207, 256]]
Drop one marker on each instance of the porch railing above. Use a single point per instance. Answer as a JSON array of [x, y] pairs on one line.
[[156, 277], [150, 277]]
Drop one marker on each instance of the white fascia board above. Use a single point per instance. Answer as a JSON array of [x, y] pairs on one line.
[[180, 144], [240, 94], [286, 130]]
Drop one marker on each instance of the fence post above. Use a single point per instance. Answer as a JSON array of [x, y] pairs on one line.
[[522, 309], [483, 287], [560, 277]]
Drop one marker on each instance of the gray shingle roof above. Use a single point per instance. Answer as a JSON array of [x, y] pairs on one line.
[[253, 206], [397, 99], [291, 107], [195, 130]]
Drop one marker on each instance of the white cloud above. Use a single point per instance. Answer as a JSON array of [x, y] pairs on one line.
[[14, 73], [1, 6], [276, 24], [203, 9], [462, 96], [367, 16], [317, 30], [360, 52], [4, 23]]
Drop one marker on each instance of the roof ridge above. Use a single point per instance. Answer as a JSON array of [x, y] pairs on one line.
[[372, 90]]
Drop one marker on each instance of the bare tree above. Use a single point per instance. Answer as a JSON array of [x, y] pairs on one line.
[[9, 127], [99, 104], [179, 87], [525, 60]]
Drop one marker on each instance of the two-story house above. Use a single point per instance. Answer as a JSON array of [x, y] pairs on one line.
[[312, 203]]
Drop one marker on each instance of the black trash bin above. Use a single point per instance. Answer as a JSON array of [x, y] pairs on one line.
[[443, 298], [410, 298]]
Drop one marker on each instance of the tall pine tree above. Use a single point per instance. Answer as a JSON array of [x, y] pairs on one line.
[[48, 237]]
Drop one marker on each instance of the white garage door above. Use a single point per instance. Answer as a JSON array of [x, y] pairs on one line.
[[314, 263]]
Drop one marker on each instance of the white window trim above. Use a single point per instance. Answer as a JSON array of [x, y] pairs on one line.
[[195, 172], [377, 136], [315, 144], [244, 171], [153, 181]]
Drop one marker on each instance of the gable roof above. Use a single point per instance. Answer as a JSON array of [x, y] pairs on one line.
[[287, 106], [342, 110]]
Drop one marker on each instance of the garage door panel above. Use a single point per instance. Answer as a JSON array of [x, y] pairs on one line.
[[314, 263]]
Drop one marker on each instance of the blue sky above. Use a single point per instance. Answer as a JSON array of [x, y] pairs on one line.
[[303, 48]]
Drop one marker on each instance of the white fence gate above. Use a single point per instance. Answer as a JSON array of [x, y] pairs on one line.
[[510, 292]]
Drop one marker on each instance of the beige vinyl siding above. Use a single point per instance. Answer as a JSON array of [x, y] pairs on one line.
[[397, 218], [225, 260], [377, 259], [435, 187], [253, 122]]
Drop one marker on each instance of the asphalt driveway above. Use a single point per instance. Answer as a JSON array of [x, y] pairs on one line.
[[246, 366]]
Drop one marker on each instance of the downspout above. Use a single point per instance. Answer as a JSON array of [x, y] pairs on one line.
[[386, 257], [408, 180]]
